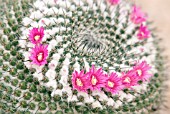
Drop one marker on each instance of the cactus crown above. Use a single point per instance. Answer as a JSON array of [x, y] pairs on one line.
[[79, 36]]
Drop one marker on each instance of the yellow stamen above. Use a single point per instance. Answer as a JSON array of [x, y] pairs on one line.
[[93, 80], [139, 72], [37, 37], [127, 79], [40, 56], [79, 82], [110, 84]]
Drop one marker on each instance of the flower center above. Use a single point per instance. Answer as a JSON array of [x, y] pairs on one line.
[[79, 82], [142, 33], [40, 57], [127, 80], [110, 84], [93, 80], [139, 72], [37, 37]]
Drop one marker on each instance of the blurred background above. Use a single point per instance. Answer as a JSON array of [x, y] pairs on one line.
[[159, 12]]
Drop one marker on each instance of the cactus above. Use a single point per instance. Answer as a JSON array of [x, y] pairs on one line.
[[79, 37]]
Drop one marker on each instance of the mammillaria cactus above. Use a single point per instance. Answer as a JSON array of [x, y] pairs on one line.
[[78, 56]]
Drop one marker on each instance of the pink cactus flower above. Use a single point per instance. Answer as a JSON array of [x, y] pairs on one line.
[[96, 78], [141, 70], [39, 54], [143, 33], [36, 35], [114, 2], [79, 81], [113, 83], [129, 79], [137, 16]]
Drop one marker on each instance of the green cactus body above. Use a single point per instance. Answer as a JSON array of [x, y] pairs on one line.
[[79, 34]]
